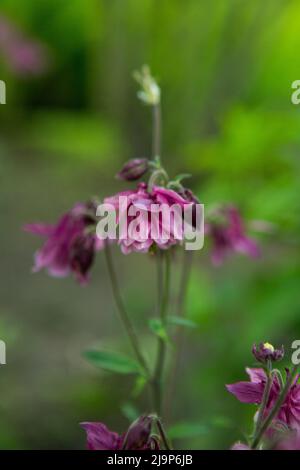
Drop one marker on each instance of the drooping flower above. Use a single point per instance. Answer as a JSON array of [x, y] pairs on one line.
[[133, 169], [149, 222], [137, 437], [266, 352], [252, 392], [227, 233], [70, 244]]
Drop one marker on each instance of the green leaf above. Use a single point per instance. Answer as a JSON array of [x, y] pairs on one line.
[[139, 385], [185, 430], [113, 362], [156, 326], [180, 321], [182, 176], [130, 411]]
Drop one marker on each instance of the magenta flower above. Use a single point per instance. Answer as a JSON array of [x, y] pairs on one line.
[[266, 352], [152, 229], [137, 437], [228, 234], [252, 392], [70, 244]]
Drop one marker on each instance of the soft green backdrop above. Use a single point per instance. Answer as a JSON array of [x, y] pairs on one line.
[[225, 68]]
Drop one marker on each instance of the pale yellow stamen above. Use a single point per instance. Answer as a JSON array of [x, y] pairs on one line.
[[269, 346]]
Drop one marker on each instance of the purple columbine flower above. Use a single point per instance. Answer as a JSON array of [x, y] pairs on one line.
[[252, 392], [133, 169], [265, 352], [70, 244], [149, 206], [137, 437], [228, 234]]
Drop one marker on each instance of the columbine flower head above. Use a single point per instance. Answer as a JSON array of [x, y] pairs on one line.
[[70, 244], [266, 352], [133, 169], [150, 91], [151, 228], [252, 392], [137, 437], [227, 233]]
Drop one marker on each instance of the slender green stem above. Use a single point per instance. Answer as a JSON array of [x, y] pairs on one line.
[[156, 132], [122, 311], [275, 410], [161, 351], [264, 402], [167, 444], [186, 267], [160, 279], [279, 377]]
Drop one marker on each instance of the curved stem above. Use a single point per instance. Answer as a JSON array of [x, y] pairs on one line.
[[161, 351], [163, 435], [273, 413], [264, 402], [122, 311]]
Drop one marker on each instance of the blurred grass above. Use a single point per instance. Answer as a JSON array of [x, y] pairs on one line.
[[225, 68]]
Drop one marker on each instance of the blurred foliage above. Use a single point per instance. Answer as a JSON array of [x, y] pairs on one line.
[[225, 69]]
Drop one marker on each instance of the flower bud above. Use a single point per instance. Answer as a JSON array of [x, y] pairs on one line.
[[138, 434], [266, 352], [133, 169]]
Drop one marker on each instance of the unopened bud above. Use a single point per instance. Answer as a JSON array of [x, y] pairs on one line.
[[133, 169], [138, 434]]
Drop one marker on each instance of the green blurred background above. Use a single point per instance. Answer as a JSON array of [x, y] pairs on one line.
[[225, 68]]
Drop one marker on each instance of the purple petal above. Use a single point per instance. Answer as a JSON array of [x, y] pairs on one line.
[[44, 230], [168, 196], [246, 392], [246, 246], [256, 375], [99, 437]]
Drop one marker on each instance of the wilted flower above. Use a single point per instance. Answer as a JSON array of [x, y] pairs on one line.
[[252, 392], [137, 437], [133, 169], [227, 233], [70, 244], [265, 352], [151, 228]]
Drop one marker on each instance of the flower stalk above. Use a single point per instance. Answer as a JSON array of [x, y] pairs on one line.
[[122, 311], [162, 346], [273, 413]]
